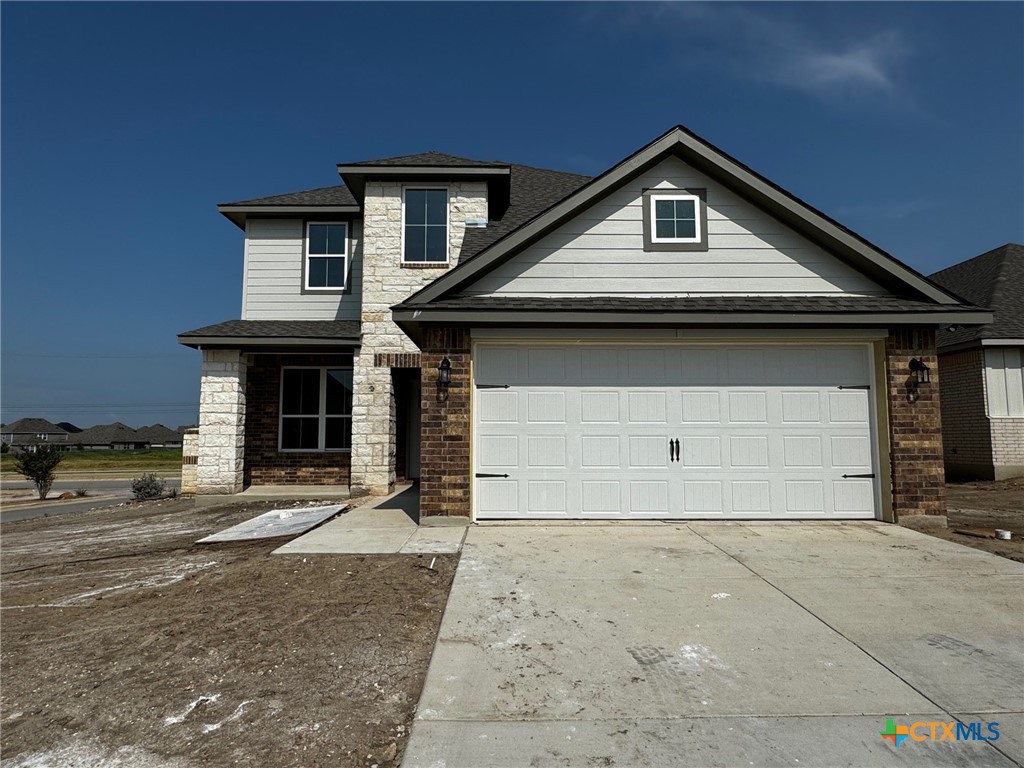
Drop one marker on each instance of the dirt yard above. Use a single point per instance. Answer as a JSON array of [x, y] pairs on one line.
[[987, 505], [125, 644]]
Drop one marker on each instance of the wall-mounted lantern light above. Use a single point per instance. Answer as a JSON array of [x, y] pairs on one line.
[[922, 373], [444, 372]]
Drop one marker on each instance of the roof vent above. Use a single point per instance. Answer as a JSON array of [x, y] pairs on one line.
[[476, 222]]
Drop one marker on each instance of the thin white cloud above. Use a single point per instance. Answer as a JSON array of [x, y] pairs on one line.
[[753, 43]]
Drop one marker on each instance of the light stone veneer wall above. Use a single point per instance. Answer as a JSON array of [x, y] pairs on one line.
[[221, 422], [387, 282]]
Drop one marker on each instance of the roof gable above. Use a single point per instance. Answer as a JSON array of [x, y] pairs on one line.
[[601, 251], [680, 142], [33, 426]]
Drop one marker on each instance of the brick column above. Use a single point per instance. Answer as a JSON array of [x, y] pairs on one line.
[[221, 422], [445, 480], [915, 429]]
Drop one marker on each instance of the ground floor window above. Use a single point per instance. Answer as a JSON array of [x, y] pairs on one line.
[[316, 409]]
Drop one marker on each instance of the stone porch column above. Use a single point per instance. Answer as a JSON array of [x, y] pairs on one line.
[[373, 428], [221, 422]]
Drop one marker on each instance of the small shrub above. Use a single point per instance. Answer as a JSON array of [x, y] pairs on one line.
[[81, 492], [39, 467], [4, 447], [149, 486]]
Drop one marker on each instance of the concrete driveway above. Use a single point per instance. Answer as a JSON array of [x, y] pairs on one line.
[[721, 644]]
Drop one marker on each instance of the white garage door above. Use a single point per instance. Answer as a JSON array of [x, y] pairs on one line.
[[639, 431]]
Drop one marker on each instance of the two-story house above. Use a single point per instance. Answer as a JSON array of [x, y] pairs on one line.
[[677, 337]]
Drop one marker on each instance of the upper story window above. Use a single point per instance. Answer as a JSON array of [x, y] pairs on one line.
[[425, 225], [675, 220], [326, 256]]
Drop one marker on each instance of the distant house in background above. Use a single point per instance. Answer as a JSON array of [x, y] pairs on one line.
[[159, 436], [980, 369], [29, 434], [110, 437]]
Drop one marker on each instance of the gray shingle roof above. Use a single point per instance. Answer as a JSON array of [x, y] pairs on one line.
[[32, 426], [533, 191], [158, 433], [429, 159], [306, 329], [994, 280], [105, 434], [725, 304], [339, 194]]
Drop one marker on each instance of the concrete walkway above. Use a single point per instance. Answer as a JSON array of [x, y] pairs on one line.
[[721, 644], [385, 528]]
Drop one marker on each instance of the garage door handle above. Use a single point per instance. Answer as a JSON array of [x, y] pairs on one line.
[[487, 474], [855, 386], [673, 450], [848, 476]]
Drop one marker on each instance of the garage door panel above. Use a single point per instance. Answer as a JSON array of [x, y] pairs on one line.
[[648, 497], [597, 442], [599, 407], [648, 451]]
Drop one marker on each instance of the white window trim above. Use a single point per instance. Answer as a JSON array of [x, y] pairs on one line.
[[696, 219], [1004, 383], [321, 417], [305, 272], [447, 222]]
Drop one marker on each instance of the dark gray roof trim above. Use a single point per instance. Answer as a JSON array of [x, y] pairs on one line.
[[716, 163], [994, 279], [433, 159], [253, 333]]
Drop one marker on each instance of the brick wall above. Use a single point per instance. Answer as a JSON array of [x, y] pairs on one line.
[[1007, 448], [915, 426], [966, 433], [445, 433], [264, 463]]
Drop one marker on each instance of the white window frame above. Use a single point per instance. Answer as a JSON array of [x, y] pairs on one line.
[[345, 256], [698, 234], [1004, 382], [321, 417], [447, 222]]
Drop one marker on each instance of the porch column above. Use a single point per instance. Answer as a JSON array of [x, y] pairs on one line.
[[915, 430], [221, 422], [445, 483], [373, 427]]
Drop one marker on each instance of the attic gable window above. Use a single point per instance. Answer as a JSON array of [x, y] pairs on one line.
[[675, 220], [326, 256], [425, 225]]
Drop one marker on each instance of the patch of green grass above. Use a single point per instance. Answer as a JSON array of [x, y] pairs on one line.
[[74, 461]]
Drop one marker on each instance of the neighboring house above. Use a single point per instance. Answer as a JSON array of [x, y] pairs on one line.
[[159, 436], [676, 338], [981, 369], [109, 437], [68, 427], [29, 434]]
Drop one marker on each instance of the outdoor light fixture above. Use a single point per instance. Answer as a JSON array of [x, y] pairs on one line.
[[444, 372], [922, 373]]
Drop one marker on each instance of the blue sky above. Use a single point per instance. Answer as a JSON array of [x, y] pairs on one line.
[[124, 124]]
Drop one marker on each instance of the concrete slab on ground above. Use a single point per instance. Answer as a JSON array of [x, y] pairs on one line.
[[719, 644], [385, 527], [276, 523], [295, 492]]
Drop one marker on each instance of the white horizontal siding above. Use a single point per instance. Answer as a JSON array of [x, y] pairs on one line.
[[601, 252], [273, 275]]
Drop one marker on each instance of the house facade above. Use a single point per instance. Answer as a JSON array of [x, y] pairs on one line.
[[983, 369], [30, 433], [675, 338]]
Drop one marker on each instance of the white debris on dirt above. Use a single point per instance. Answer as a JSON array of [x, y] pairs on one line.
[[91, 754], [62, 540], [210, 727], [175, 719], [170, 574], [721, 595]]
